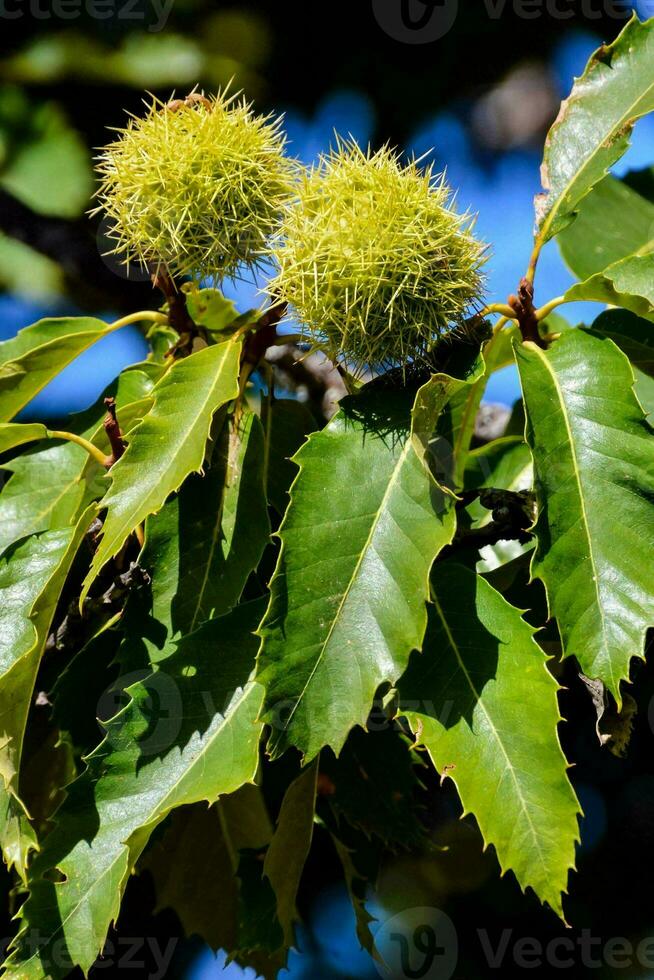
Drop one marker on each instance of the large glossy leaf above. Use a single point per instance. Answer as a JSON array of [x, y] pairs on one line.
[[169, 444], [613, 222], [32, 575], [594, 466], [481, 700], [203, 743], [38, 353], [594, 125], [628, 283], [51, 484], [635, 338], [349, 593]]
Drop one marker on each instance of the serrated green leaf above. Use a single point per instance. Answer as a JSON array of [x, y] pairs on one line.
[[594, 126], [38, 353], [32, 575], [202, 744], [240, 916], [635, 338], [169, 443], [613, 222], [81, 692], [594, 465], [482, 702], [357, 883], [628, 283], [50, 485], [348, 597], [222, 528]]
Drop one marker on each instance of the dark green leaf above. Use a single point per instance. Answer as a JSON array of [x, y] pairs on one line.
[[635, 338], [594, 466], [202, 546], [482, 702], [288, 424], [372, 785]]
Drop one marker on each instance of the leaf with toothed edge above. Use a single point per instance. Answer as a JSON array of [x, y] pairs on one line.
[[593, 454], [348, 597], [617, 220], [482, 702], [594, 126], [32, 575], [168, 445], [204, 743]]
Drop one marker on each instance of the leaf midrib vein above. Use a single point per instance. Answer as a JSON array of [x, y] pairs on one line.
[[364, 550]]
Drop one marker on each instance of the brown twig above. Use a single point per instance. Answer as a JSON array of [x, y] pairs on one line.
[[178, 315], [265, 335], [525, 312], [115, 436]]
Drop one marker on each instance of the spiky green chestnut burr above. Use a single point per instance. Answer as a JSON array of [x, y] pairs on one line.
[[374, 259], [197, 186]]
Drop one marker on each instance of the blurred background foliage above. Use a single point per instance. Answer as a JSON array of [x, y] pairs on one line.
[[479, 102]]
